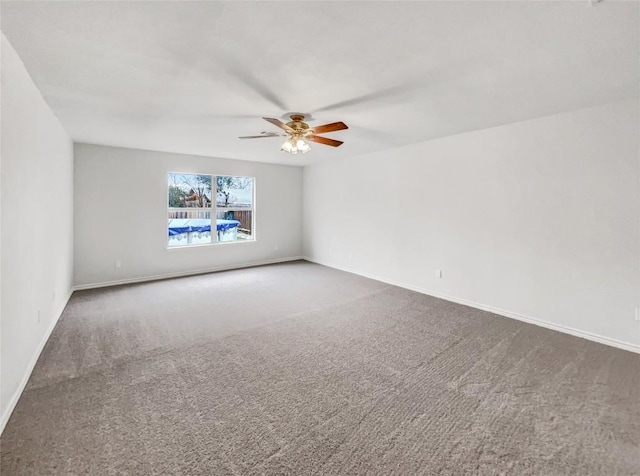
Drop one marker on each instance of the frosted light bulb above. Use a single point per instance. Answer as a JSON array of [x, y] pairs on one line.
[[288, 147], [303, 146]]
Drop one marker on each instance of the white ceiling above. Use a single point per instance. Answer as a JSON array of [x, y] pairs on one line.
[[191, 77]]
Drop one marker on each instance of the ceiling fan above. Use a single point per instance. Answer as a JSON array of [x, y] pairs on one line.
[[299, 133]]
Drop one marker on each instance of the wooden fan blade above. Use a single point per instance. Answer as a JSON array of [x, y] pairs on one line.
[[324, 140], [278, 123], [263, 135], [334, 126]]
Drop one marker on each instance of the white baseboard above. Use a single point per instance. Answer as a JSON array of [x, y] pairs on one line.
[[180, 274], [513, 315], [32, 363]]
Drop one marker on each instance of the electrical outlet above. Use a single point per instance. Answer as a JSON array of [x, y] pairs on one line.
[[438, 273], [118, 263], [277, 248]]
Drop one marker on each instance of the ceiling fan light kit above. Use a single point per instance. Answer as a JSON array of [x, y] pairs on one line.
[[295, 144], [299, 134]]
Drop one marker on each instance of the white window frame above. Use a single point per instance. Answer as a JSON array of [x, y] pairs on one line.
[[213, 211]]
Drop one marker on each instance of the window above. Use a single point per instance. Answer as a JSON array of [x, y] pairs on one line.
[[197, 215]]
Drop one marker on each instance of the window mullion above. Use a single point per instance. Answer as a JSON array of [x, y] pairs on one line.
[[214, 208]]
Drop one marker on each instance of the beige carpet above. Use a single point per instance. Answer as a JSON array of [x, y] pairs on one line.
[[300, 369]]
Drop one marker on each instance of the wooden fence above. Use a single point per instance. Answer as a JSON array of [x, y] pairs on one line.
[[243, 216], [188, 213]]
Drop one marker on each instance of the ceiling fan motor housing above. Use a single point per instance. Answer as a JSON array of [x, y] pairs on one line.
[[297, 123]]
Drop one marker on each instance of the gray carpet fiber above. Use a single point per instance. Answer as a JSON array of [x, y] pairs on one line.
[[300, 369]]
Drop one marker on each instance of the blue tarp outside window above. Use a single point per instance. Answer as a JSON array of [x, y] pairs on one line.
[[178, 226]]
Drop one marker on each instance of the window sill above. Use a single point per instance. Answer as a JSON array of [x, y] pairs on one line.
[[202, 245]]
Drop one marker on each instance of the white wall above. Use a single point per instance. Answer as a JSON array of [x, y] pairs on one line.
[[121, 214], [37, 225], [537, 219]]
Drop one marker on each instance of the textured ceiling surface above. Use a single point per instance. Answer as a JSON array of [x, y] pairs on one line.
[[191, 77]]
